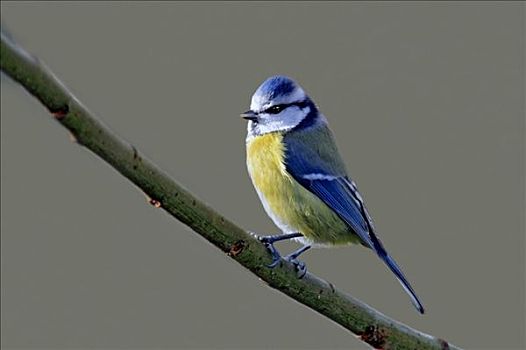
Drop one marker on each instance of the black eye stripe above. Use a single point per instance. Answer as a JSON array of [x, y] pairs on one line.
[[278, 108], [275, 109]]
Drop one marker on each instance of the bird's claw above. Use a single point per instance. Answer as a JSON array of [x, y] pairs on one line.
[[299, 266], [268, 242], [276, 257]]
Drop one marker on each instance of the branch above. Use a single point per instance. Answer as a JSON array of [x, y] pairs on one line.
[[368, 324]]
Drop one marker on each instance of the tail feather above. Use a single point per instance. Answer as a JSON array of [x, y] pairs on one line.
[[393, 266]]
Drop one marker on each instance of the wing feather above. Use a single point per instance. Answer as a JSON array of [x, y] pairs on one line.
[[320, 170]]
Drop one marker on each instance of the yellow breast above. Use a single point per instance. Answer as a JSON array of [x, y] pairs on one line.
[[265, 156], [285, 200]]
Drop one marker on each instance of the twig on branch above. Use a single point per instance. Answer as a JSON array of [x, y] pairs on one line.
[[368, 324]]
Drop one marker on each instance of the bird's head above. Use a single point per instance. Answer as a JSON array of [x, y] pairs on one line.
[[279, 104]]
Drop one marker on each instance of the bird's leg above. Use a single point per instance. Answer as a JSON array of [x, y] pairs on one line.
[[269, 241], [299, 265]]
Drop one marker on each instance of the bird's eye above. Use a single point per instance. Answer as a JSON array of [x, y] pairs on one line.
[[275, 109]]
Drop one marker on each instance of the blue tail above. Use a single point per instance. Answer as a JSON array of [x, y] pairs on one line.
[[389, 261]]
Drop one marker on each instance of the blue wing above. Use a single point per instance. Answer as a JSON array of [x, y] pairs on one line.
[[320, 170], [315, 172]]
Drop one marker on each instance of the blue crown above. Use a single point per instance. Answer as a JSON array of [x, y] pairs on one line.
[[276, 86]]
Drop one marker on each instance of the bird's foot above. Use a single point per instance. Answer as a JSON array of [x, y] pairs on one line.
[[300, 266], [269, 241]]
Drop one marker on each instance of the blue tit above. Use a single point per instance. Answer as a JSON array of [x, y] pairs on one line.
[[301, 179]]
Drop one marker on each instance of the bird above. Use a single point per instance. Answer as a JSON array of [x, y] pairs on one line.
[[301, 179]]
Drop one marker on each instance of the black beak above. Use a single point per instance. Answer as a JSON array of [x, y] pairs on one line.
[[249, 115]]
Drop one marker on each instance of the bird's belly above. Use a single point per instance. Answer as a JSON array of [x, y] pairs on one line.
[[292, 207]]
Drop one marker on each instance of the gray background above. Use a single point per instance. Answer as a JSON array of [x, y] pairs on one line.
[[427, 103]]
